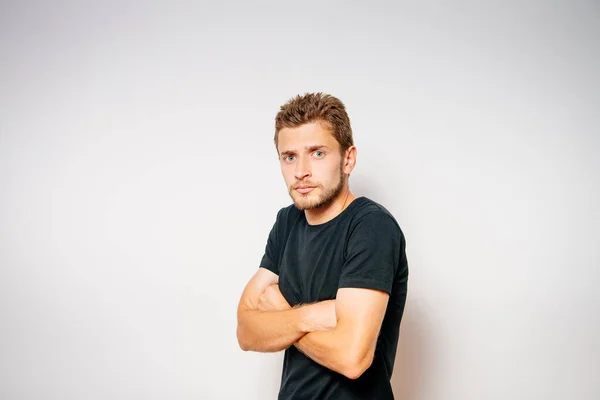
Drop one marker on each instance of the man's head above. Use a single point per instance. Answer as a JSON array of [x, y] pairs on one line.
[[314, 143]]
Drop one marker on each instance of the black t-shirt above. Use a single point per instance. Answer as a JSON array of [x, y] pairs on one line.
[[362, 247]]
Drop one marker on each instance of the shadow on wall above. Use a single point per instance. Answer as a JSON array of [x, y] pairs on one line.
[[413, 356]]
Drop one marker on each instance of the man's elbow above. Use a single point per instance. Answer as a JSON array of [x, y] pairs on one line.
[[244, 336], [247, 342], [242, 342], [356, 366], [243, 345]]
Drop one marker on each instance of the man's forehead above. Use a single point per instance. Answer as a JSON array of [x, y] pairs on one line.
[[305, 137]]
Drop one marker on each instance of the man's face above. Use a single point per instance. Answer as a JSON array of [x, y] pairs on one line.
[[311, 164]]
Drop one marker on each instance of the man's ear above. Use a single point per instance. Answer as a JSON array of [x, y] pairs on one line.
[[349, 159]]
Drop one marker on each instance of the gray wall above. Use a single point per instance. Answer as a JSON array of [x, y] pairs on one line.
[[138, 183]]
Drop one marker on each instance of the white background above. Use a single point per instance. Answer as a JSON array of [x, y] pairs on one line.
[[139, 181]]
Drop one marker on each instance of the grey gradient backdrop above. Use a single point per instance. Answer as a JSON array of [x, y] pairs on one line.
[[138, 183]]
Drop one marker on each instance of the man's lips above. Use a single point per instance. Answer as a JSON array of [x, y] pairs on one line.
[[304, 189]]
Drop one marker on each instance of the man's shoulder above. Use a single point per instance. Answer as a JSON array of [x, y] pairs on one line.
[[365, 207], [288, 214], [368, 211]]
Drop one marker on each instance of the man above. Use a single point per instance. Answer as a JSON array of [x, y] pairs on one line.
[[332, 283]]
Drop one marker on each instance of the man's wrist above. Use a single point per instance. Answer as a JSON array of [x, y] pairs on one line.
[[305, 318], [311, 316]]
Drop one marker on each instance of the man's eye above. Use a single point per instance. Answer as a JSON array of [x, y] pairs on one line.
[[289, 158], [319, 153]]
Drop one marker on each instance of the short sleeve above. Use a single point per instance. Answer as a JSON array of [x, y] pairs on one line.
[[372, 253], [270, 259]]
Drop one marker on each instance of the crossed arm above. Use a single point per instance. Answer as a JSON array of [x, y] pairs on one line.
[[339, 334]]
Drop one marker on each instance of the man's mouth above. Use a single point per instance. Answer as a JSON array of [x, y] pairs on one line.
[[304, 189]]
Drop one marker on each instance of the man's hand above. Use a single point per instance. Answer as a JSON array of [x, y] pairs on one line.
[[268, 331], [271, 299], [266, 321], [322, 315]]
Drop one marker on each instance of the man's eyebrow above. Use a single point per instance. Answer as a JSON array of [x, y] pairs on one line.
[[309, 148], [316, 147]]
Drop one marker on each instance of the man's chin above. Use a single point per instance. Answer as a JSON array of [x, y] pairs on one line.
[[303, 204], [304, 201]]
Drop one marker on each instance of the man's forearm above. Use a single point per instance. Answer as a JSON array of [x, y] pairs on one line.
[[270, 331], [324, 348], [334, 350]]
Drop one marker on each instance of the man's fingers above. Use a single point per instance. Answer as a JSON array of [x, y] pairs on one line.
[[261, 302], [272, 288], [262, 305]]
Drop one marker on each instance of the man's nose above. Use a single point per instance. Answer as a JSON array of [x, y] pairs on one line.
[[302, 169]]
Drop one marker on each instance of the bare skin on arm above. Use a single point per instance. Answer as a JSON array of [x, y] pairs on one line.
[[348, 347], [262, 327]]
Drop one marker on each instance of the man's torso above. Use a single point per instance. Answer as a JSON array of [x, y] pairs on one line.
[[310, 266]]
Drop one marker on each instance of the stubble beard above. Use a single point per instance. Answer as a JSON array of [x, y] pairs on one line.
[[305, 202]]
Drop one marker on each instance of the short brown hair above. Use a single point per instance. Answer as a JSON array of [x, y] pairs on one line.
[[316, 107]]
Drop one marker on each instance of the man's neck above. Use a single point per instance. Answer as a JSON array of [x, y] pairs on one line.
[[327, 213]]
